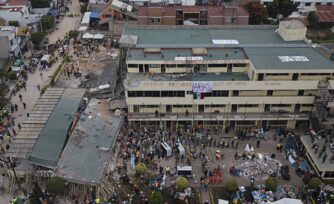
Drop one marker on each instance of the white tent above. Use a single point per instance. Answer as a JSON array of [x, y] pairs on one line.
[[86, 18], [220, 201], [82, 28], [87, 36], [98, 36], [288, 201]]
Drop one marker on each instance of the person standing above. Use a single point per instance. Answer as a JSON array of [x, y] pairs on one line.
[[24, 105], [14, 132], [258, 142], [19, 125], [20, 96]]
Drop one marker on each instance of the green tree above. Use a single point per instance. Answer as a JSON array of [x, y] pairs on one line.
[[257, 13], [155, 198], [231, 185], [315, 182], [13, 23], [36, 194], [284, 7], [83, 7], [73, 33], [40, 3], [271, 184], [55, 185], [141, 168], [47, 22], [313, 19], [3, 100], [37, 37], [181, 183]]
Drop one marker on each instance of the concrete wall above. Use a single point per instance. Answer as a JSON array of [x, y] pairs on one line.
[[5, 48]]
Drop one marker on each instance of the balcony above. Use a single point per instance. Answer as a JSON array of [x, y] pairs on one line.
[[217, 116]]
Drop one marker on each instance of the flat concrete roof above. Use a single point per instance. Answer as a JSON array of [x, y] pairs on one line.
[[51, 141], [327, 165], [89, 149]]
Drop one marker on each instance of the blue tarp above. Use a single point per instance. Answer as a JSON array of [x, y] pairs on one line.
[[53, 12], [95, 14]]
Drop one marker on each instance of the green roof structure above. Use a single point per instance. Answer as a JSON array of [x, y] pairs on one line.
[[52, 139]]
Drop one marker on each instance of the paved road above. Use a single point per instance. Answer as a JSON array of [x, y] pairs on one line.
[[41, 78]]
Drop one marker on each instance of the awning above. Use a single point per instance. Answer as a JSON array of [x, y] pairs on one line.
[[82, 28]]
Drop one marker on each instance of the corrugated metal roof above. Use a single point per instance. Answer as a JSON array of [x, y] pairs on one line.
[[51, 141]]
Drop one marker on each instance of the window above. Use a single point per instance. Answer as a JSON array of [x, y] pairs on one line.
[[301, 93], [189, 92], [329, 3], [248, 105], [143, 93], [240, 65], [307, 105], [170, 65], [172, 93], [217, 65], [277, 122], [315, 74], [250, 123], [281, 105], [215, 106], [269, 92], [182, 106], [308, 4], [277, 74], [218, 93], [235, 93], [150, 106], [154, 65], [133, 65]]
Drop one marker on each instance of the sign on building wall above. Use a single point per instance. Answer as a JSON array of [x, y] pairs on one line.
[[202, 86]]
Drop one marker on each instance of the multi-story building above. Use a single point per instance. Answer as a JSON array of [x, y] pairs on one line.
[[226, 14], [305, 5], [10, 42], [225, 76]]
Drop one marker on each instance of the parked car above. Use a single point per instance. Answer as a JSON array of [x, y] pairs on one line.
[[18, 66]]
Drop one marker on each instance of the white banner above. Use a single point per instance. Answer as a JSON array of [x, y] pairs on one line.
[[202, 86]]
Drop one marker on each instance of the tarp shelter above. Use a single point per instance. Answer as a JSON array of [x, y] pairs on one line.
[[86, 18], [95, 14], [87, 36], [182, 151], [98, 36], [52, 139], [186, 171], [82, 28], [220, 201], [166, 148], [288, 201]]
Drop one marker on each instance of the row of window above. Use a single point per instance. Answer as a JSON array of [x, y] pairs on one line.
[[216, 93], [222, 106], [189, 65]]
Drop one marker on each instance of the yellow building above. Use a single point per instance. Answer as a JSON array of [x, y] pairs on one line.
[[225, 76]]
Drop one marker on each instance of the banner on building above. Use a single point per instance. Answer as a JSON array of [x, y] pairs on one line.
[[202, 86]]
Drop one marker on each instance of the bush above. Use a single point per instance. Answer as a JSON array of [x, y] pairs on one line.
[[155, 198], [271, 184], [47, 22], [231, 185], [55, 185], [37, 37], [12, 75], [181, 183], [315, 182], [36, 195], [141, 168], [13, 23]]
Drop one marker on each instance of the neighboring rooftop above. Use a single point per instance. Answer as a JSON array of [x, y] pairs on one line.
[[292, 24], [173, 54], [321, 166], [92, 139], [6, 30], [51, 141], [325, 13]]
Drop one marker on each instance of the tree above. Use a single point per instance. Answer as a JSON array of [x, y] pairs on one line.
[[284, 7], [40, 3], [315, 182], [13, 23], [36, 195], [12, 75], [73, 33], [271, 184], [312, 19], [3, 100], [55, 185], [141, 168], [155, 198], [37, 37], [47, 22], [181, 183], [257, 13], [231, 185]]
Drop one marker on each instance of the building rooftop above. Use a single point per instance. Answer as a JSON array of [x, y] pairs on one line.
[[173, 54], [325, 13], [321, 166], [7, 30], [92, 139], [51, 141], [287, 59]]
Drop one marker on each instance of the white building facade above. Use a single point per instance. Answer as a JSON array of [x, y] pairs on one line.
[[9, 42]]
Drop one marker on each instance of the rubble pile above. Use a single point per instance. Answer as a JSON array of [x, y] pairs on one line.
[[285, 191], [260, 167]]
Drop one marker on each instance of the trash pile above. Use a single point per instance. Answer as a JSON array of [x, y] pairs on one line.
[[285, 191], [262, 195], [259, 167]]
